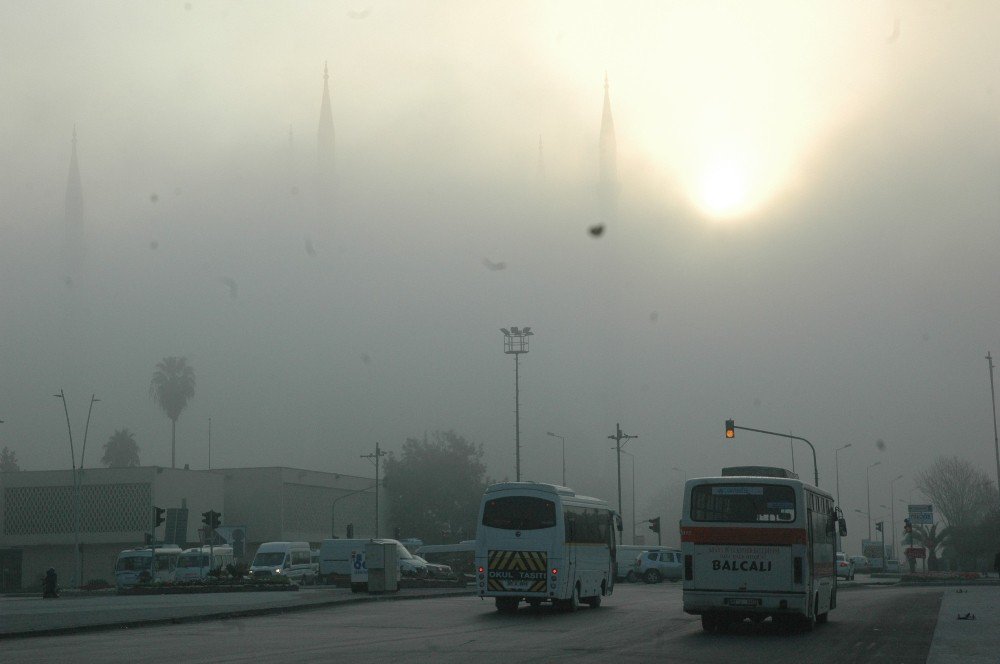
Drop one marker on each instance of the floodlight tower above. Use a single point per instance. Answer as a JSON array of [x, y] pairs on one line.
[[515, 342]]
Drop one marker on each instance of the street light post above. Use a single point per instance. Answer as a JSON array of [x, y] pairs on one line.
[[868, 479], [563, 439], [333, 507], [77, 571], [618, 437], [515, 342], [836, 461], [633, 493], [892, 509], [993, 401], [86, 428]]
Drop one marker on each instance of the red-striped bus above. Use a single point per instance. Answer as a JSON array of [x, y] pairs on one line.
[[758, 543]]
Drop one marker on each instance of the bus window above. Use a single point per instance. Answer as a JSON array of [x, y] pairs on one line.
[[519, 513], [742, 503]]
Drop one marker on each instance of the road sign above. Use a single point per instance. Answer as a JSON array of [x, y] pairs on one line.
[[921, 515], [874, 551]]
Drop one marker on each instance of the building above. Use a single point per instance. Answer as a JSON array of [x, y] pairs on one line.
[[116, 510]]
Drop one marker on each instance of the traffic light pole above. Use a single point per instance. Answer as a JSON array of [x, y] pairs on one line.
[[786, 435], [618, 438]]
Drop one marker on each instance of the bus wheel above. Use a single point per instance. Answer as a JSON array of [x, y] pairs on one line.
[[632, 576], [709, 622], [534, 603], [652, 576], [594, 602], [507, 604]]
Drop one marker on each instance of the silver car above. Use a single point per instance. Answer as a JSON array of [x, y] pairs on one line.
[[654, 566]]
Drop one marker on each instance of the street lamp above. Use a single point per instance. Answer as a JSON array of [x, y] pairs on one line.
[[515, 342], [868, 479], [892, 502], [87, 428], [633, 493], [836, 461], [563, 439], [77, 572]]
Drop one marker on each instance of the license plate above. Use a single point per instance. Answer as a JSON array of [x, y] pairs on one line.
[[742, 601]]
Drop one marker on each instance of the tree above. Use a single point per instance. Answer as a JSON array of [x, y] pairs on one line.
[[8, 460], [171, 389], [434, 487], [960, 492], [121, 450]]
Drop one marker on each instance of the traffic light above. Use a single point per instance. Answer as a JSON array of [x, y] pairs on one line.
[[211, 519], [907, 526], [349, 531], [654, 524], [878, 526], [157, 516], [730, 428]]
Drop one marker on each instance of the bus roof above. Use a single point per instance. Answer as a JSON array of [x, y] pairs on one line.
[[563, 492]]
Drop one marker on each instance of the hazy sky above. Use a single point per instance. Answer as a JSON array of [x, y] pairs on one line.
[[806, 239]]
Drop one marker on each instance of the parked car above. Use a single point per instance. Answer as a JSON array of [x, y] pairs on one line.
[[861, 564], [436, 570], [654, 566], [845, 567]]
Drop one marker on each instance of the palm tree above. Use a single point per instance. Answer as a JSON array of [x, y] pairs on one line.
[[171, 389], [121, 450]]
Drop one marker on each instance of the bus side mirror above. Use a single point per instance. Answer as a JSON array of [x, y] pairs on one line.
[[618, 523], [838, 516]]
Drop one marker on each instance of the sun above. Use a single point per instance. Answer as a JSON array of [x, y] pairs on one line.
[[724, 188]]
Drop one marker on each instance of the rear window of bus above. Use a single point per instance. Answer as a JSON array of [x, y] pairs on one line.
[[743, 503], [519, 513]]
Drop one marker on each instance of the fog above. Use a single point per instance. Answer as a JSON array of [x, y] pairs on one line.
[[844, 290]]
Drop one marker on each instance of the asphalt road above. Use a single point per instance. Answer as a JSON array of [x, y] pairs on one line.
[[640, 623]]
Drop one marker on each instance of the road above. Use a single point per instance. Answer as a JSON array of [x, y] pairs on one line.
[[640, 623]]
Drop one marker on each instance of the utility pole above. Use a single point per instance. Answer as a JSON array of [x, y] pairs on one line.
[[375, 457], [210, 443], [618, 437], [993, 400]]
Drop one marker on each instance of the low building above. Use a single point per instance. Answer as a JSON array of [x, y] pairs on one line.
[[38, 524]]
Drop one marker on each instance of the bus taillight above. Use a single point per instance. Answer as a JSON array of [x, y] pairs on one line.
[[481, 570], [554, 571]]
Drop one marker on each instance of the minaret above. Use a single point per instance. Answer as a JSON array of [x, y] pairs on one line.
[[541, 162], [607, 184], [325, 165], [74, 248]]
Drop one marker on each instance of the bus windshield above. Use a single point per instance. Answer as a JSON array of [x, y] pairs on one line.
[[133, 563], [193, 561], [743, 503], [519, 513]]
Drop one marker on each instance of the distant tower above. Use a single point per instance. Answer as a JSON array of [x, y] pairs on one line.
[[607, 184], [325, 165], [541, 162], [74, 246]]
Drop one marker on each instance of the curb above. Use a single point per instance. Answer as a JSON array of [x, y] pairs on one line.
[[245, 613]]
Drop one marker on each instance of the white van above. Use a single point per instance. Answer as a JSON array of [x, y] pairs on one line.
[[288, 559], [195, 564], [136, 565]]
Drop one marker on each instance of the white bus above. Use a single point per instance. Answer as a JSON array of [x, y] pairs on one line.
[[758, 542], [544, 543], [197, 563], [136, 565]]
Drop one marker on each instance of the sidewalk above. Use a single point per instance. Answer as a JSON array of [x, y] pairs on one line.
[[967, 641], [33, 616]]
